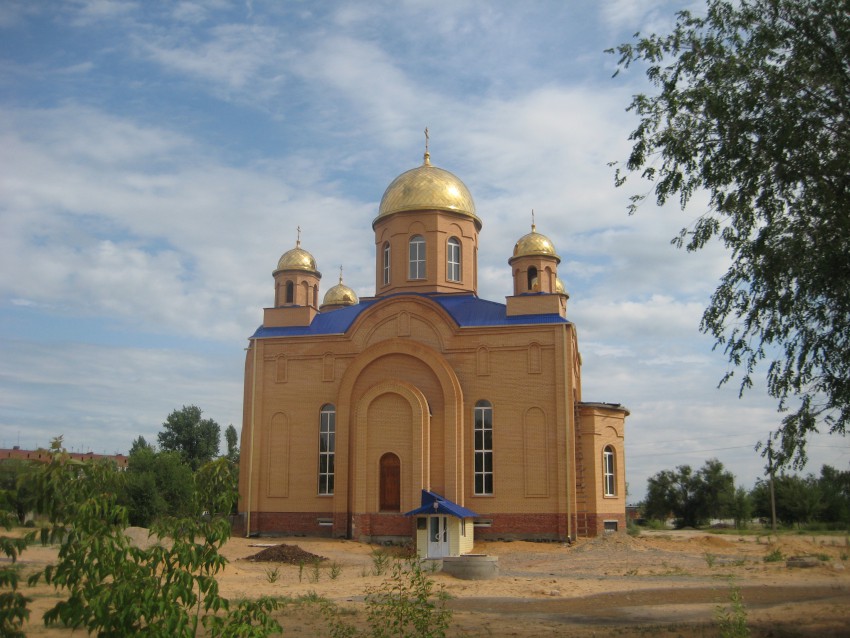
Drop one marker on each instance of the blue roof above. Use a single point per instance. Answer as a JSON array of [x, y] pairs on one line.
[[467, 311], [433, 503]]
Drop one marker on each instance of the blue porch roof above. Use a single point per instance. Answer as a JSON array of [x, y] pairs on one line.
[[433, 503]]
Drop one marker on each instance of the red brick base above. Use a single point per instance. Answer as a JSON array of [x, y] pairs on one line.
[[397, 527]]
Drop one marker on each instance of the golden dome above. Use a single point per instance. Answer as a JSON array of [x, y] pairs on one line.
[[340, 295], [427, 188], [559, 287], [297, 259], [535, 244]]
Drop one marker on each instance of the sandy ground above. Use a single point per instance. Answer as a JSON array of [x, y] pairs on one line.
[[656, 584]]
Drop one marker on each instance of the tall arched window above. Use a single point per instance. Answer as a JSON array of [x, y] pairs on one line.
[[417, 257], [609, 477], [327, 445], [290, 292], [390, 483], [483, 437], [453, 260], [386, 263]]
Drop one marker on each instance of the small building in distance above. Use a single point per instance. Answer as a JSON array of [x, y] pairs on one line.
[[353, 407]]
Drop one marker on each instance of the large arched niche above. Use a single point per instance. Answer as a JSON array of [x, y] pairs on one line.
[[353, 400], [391, 417]]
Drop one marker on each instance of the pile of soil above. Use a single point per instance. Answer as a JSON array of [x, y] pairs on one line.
[[290, 554]]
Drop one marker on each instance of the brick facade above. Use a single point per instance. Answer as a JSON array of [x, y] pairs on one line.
[[402, 373]]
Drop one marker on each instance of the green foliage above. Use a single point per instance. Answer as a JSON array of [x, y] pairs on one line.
[[272, 574], [405, 605], [231, 437], [17, 487], [799, 500], [691, 497], [732, 622], [157, 484], [13, 604], [380, 562], [774, 556], [741, 508], [194, 438], [116, 589], [749, 106]]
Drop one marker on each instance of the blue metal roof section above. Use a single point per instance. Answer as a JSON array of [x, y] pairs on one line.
[[467, 311], [433, 503]]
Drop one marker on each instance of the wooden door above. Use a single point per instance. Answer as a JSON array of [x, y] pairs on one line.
[[390, 488]]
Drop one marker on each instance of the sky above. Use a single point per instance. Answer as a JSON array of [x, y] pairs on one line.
[[156, 159]]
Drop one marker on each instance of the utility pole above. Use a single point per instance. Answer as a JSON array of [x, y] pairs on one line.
[[770, 471]]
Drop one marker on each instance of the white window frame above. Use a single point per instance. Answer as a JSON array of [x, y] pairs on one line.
[[483, 449], [453, 259], [609, 475], [386, 263], [327, 448], [416, 257]]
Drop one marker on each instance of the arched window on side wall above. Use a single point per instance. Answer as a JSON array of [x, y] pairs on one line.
[[386, 265], [609, 476], [453, 260], [483, 441], [417, 257], [327, 447], [290, 292]]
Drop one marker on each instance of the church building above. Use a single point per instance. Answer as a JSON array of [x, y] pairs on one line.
[[424, 410]]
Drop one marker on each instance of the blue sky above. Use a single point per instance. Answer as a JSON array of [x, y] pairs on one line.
[[157, 157]]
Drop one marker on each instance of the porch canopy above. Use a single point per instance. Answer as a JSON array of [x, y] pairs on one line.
[[433, 503]]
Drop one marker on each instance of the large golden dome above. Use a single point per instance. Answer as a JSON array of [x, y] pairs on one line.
[[534, 244], [297, 259], [427, 188]]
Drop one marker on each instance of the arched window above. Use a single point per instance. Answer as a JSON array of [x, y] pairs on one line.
[[327, 445], [390, 487], [609, 477], [386, 263], [483, 437], [417, 257], [453, 260], [290, 292], [533, 284]]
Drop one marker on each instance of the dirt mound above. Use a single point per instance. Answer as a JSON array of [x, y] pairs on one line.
[[291, 554]]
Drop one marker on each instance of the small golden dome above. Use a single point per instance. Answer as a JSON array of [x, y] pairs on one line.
[[427, 188], [297, 258], [535, 244], [340, 295], [559, 287]]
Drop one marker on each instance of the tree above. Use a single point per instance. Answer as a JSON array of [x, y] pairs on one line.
[[691, 497], [232, 439], [157, 484], [195, 439], [798, 499], [116, 589], [751, 108]]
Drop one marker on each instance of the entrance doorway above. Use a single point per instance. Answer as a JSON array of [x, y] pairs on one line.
[[438, 537], [390, 483]]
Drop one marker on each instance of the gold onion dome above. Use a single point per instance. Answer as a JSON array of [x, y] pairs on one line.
[[535, 245], [427, 187], [559, 287], [297, 259], [340, 295]]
